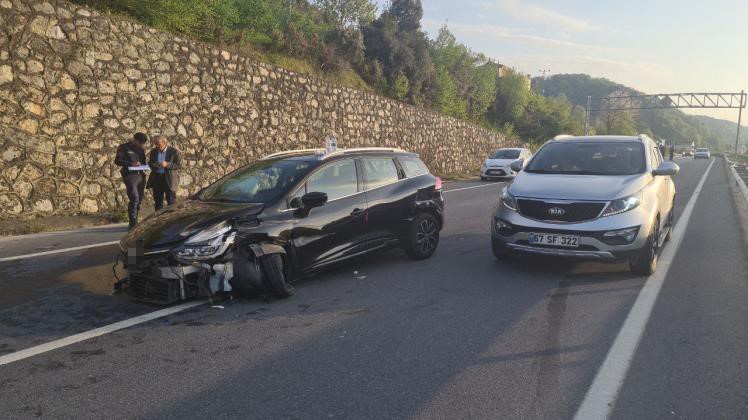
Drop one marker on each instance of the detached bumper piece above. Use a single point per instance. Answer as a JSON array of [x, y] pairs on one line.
[[163, 281]]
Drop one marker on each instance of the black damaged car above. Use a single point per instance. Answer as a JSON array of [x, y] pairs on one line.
[[273, 221]]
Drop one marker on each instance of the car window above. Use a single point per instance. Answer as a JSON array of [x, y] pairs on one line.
[[337, 180], [413, 166], [656, 157], [505, 154], [379, 171]]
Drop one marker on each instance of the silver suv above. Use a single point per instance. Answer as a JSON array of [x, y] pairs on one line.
[[596, 197]]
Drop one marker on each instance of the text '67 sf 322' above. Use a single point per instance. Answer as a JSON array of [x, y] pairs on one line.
[[263, 226]]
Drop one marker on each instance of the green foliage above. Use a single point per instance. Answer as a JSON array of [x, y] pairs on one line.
[[346, 42], [348, 12]]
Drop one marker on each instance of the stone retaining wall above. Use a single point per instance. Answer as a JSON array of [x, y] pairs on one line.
[[75, 83]]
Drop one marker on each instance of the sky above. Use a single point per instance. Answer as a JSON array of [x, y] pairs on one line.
[[655, 46]]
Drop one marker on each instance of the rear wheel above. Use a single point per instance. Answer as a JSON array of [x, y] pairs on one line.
[[423, 237], [645, 263], [275, 277]]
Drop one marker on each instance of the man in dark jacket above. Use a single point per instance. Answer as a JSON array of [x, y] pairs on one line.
[[131, 154], [165, 162]]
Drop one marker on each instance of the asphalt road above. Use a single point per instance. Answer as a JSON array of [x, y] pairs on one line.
[[458, 336]]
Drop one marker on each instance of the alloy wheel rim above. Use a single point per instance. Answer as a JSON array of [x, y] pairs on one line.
[[426, 235]]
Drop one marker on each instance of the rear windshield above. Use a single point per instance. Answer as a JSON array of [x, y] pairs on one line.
[[589, 159], [505, 154], [260, 182]]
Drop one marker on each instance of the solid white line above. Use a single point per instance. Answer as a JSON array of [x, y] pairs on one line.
[[602, 395], [475, 186], [56, 251], [77, 338], [57, 233]]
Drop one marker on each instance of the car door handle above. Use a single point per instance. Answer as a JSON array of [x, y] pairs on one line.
[[357, 212]]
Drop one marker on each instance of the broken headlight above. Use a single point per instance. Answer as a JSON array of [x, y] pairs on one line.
[[206, 244]]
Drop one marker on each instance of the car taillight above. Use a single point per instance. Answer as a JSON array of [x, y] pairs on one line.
[[438, 185]]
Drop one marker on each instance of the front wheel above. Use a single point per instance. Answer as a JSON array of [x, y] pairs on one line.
[[500, 250], [275, 277], [423, 237], [645, 263]]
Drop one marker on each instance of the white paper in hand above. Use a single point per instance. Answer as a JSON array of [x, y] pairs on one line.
[[140, 168]]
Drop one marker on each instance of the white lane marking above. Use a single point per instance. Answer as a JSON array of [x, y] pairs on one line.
[[58, 233], [601, 397], [56, 251], [77, 338], [475, 186]]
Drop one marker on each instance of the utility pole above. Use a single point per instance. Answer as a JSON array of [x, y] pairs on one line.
[[740, 115], [587, 116]]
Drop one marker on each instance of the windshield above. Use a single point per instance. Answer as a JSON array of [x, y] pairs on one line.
[[505, 154], [702, 150], [259, 182], [589, 159]]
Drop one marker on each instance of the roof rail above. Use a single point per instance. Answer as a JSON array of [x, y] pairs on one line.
[[294, 152], [363, 149], [563, 136], [643, 137]]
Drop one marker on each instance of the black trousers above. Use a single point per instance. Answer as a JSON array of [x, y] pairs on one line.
[[161, 190], [135, 185]]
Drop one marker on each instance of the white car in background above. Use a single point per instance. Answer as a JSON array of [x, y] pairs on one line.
[[498, 164], [702, 153]]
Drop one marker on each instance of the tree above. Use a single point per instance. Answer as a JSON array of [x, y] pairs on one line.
[[396, 41], [511, 100], [345, 13]]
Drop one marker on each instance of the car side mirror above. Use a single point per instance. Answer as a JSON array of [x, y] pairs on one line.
[[517, 165], [314, 199], [666, 168]]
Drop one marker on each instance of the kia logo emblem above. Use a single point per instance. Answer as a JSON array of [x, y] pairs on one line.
[[556, 211]]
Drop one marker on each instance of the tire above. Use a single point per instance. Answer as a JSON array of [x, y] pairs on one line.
[[274, 277], [645, 263], [483, 178], [423, 237], [500, 251], [670, 223]]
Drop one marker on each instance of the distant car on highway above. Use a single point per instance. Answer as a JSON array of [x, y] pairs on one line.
[[597, 197], [687, 153], [702, 153], [289, 214], [497, 165]]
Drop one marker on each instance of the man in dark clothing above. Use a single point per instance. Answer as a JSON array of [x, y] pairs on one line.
[[165, 163], [672, 151], [131, 154]]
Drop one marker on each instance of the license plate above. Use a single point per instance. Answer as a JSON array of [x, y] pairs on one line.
[[568, 241]]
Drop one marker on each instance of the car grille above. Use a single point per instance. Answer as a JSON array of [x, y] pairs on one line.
[[559, 212], [498, 172]]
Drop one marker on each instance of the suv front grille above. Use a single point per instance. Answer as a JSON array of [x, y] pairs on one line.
[[559, 212]]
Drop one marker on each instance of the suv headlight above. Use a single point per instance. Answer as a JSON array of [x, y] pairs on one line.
[[206, 244], [508, 200], [623, 205]]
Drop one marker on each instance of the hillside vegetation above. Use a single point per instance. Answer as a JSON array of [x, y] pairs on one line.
[[352, 43]]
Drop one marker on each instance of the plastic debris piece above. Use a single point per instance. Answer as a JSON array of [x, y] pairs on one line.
[[218, 307]]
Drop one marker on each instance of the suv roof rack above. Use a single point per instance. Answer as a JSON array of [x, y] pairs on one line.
[[294, 152], [563, 136], [363, 149], [322, 154], [644, 137]]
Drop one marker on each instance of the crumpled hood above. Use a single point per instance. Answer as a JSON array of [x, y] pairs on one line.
[[577, 187], [172, 225], [499, 162]]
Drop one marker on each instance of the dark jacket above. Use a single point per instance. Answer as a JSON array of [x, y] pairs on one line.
[[128, 155], [171, 172]]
